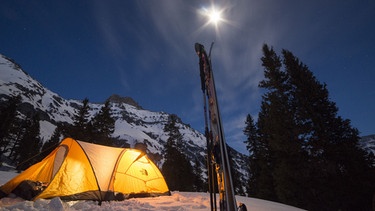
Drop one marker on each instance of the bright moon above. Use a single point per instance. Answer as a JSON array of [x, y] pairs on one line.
[[215, 16]]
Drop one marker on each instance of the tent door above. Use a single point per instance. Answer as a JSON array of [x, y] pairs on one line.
[[59, 158]]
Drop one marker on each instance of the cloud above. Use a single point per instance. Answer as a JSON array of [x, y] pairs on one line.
[[162, 35], [235, 55], [153, 42]]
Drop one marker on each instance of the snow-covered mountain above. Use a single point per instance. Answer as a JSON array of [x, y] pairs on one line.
[[133, 123], [368, 143]]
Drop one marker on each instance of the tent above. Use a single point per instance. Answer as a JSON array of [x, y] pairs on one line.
[[78, 170]]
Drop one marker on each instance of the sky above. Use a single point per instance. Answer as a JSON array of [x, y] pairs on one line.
[[145, 50]]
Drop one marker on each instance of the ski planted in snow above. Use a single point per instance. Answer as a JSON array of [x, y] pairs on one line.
[[217, 155]]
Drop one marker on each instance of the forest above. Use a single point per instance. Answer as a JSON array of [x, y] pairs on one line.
[[302, 153]]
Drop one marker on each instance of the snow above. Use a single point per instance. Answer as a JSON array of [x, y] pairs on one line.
[[46, 129], [177, 201]]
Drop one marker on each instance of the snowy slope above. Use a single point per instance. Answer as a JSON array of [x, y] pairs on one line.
[[14, 81], [368, 143], [177, 201], [132, 124]]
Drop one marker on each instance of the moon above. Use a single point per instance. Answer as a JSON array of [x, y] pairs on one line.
[[214, 16]]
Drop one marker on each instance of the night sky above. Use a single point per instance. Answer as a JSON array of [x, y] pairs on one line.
[[145, 50]]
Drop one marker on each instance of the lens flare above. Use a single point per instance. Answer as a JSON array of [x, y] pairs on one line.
[[214, 16]]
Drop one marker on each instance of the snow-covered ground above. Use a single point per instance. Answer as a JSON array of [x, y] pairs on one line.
[[177, 201]]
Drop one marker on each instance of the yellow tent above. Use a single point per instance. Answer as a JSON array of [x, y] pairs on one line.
[[78, 170]]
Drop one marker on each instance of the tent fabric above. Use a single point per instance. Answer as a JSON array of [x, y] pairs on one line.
[[78, 170]]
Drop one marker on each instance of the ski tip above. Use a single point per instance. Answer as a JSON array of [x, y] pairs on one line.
[[198, 47]]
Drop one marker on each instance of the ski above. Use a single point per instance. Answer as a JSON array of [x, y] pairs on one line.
[[217, 155]]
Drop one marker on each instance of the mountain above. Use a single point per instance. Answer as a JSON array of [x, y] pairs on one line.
[[134, 126], [368, 143]]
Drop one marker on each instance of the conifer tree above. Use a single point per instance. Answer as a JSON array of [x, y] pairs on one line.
[[8, 122], [331, 141], [103, 125], [80, 129], [278, 123], [176, 169], [312, 154], [250, 132], [16, 133], [29, 146], [257, 158], [81, 118]]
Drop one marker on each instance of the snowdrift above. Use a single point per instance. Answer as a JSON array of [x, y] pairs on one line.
[[177, 201]]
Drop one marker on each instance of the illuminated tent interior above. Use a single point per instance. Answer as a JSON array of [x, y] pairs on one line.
[[78, 170]]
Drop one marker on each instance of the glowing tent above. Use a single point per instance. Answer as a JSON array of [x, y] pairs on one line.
[[78, 170]]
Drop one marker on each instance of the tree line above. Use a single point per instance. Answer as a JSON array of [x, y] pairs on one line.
[[302, 153], [20, 133]]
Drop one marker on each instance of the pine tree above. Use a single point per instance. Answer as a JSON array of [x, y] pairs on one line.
[[279, 148], [173, 131], [331, 141], [176, 169], [30, 144], [8, 123], [81, 118], [312, 155], [250, 132], [103, 126], [80, 129], [257, 160]]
